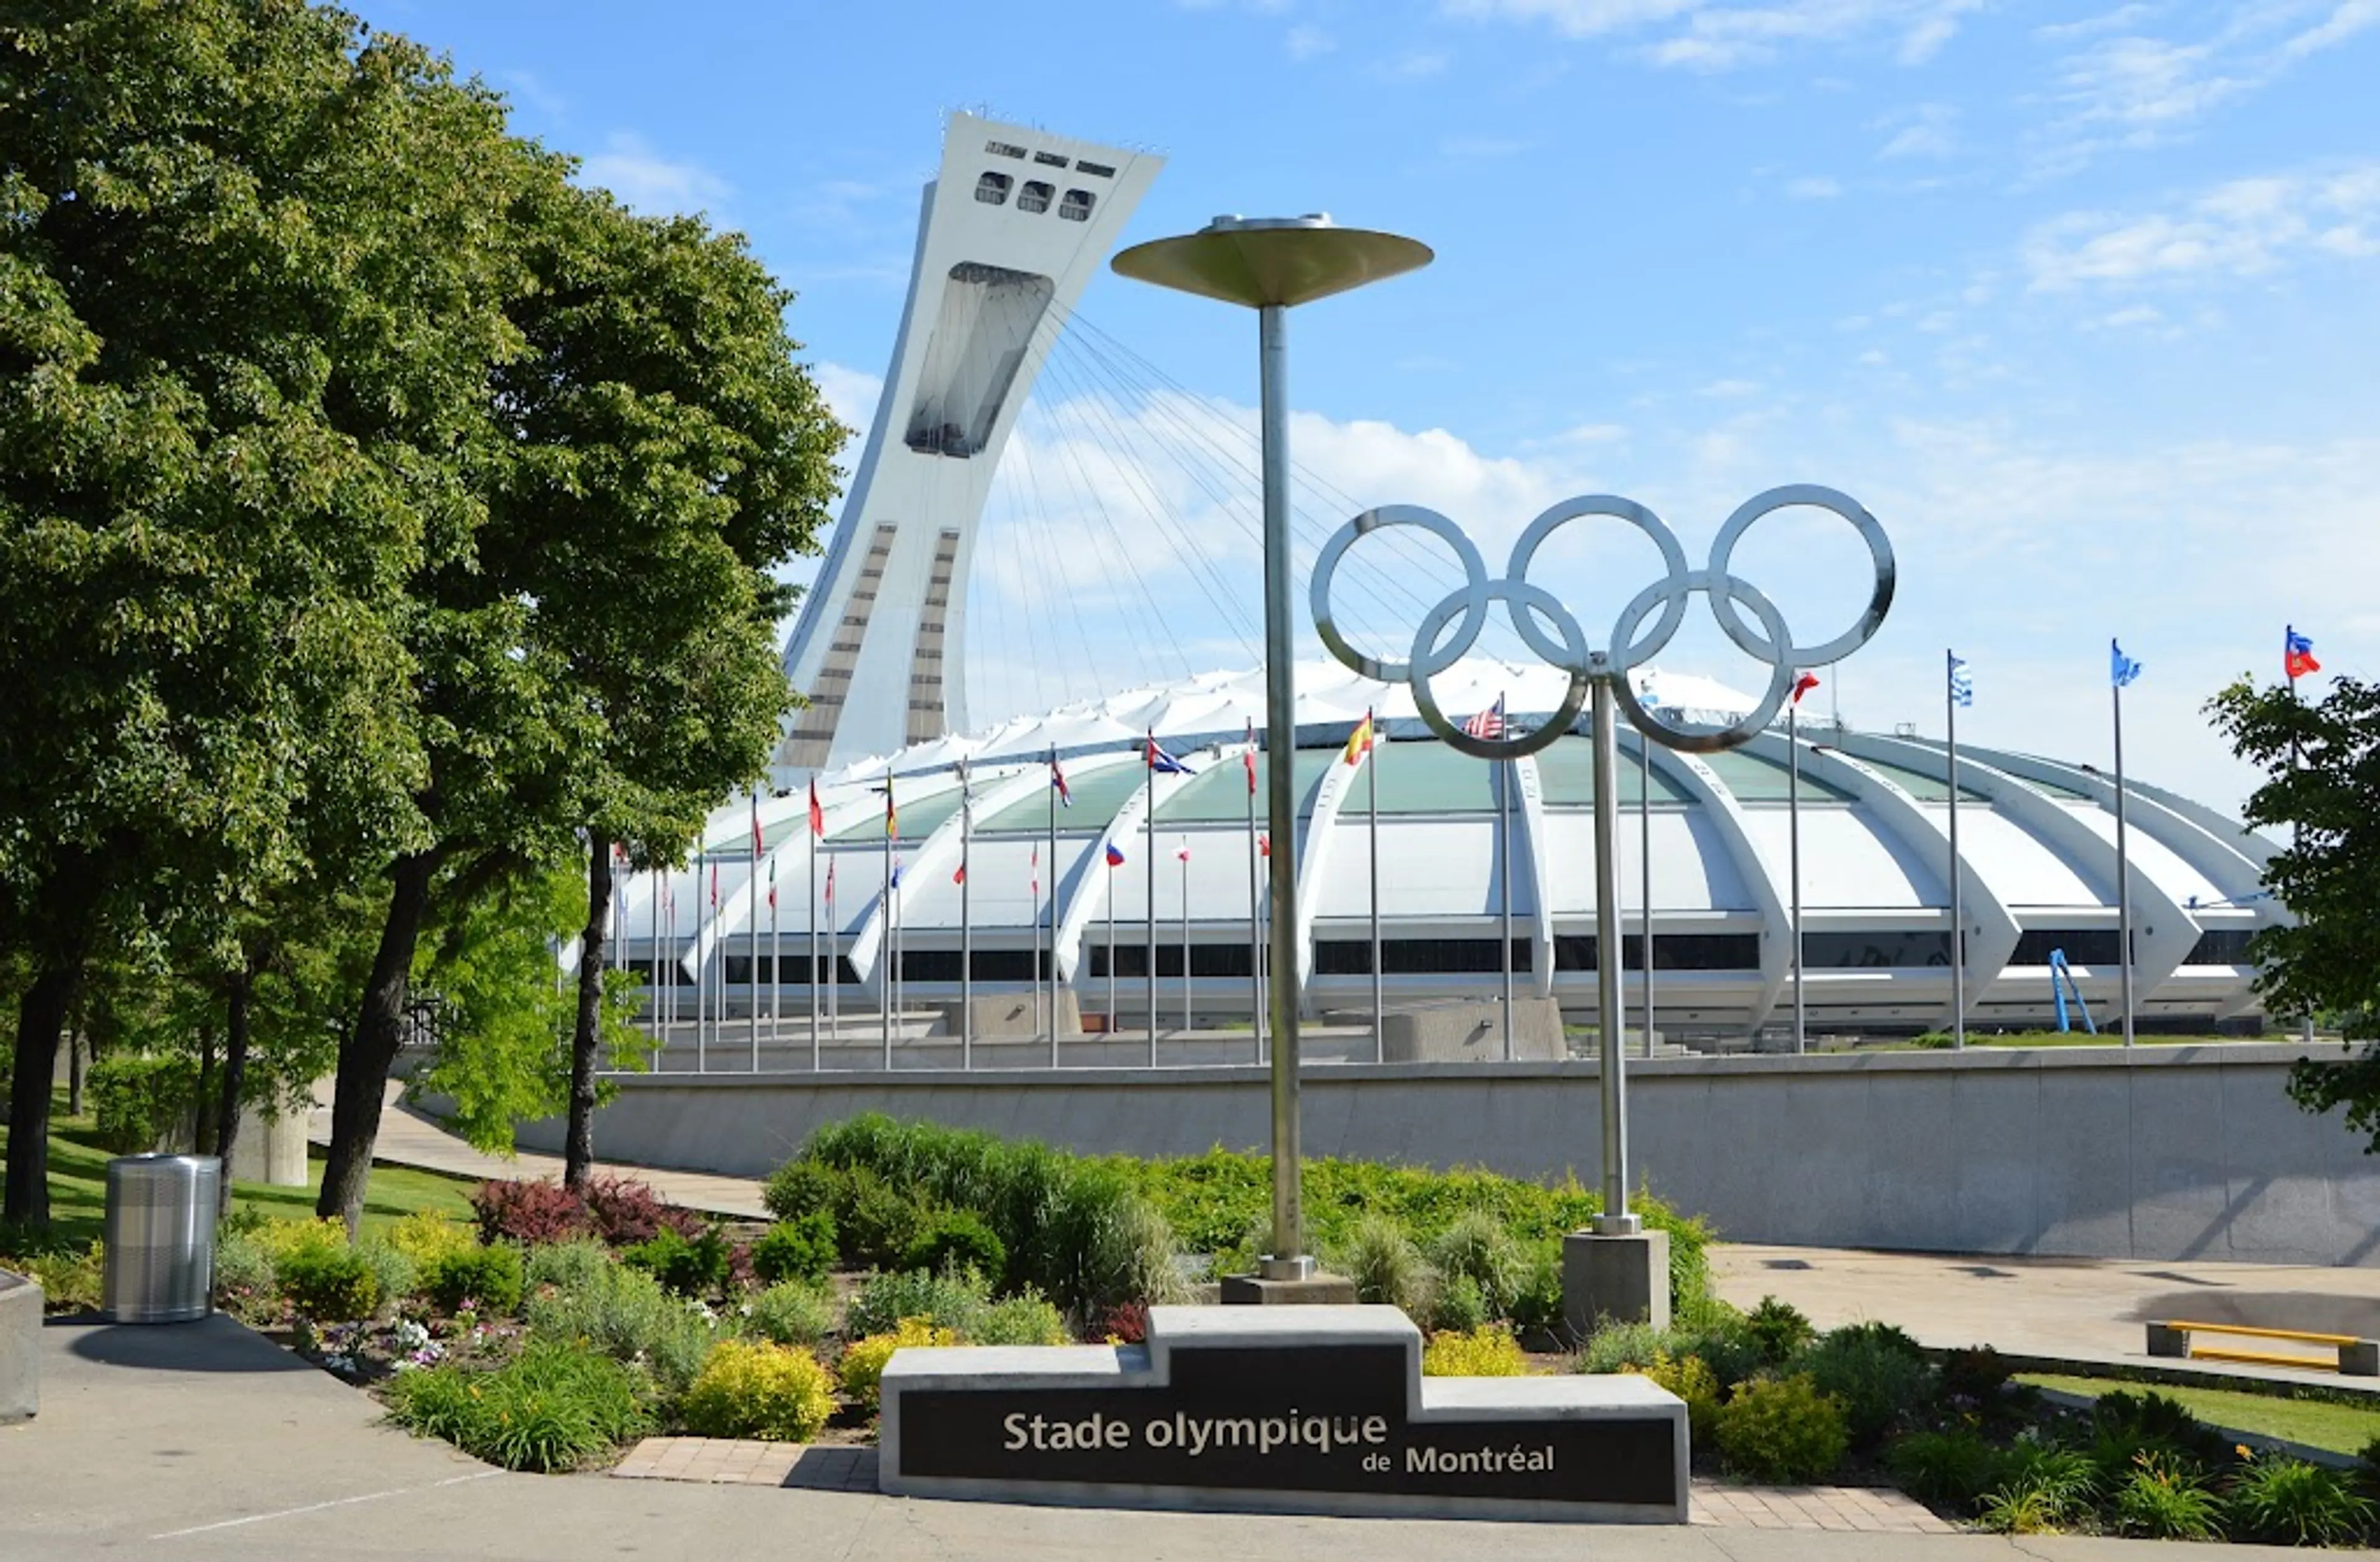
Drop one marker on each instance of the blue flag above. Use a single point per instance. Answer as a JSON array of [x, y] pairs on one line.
[[2122, 669], [1963, 683]]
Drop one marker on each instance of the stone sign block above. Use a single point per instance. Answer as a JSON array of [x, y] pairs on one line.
[[1315, 1409]]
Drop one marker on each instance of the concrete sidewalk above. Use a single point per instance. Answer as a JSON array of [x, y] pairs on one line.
[[205, 1442]]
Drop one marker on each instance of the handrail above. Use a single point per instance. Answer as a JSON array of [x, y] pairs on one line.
[[2306, 1334]]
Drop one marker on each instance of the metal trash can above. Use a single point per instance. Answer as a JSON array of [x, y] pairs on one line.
[[161, 1238]]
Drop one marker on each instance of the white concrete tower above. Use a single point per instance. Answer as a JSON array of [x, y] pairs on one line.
[[1011, 229]]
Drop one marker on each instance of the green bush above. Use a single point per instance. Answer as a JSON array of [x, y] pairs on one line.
[[141, 1100], [2290, 1502], [568, 1266], [1720, 1336], [395, 1273], [1387, 1267], [2039, 1488], [748, 1390], [1475, 1246], [1779, 1329], [1877, 1372], [792, 1313], [1617, 1347], [957, 1239], [1782, 1430], [1955, 1469], [2126, 1425], [625, 1314], [1690, 1379], [862, 1367], [243, 1271], [72, 1279], [1487, 1352], [553, 1407], [800, 1188], [490, 1277], [328, 1283], [2165, 1499], [1461, 1306], [876, 1221], [691, 1267], [800, 1248], [1537, 1305], [952, 1301], [1027, 1318]]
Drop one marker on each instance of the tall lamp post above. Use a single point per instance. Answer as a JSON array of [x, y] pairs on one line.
[[1272, 264]]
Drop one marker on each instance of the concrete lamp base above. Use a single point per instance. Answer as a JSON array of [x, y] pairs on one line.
[[1622, 1277], [1316, 1290]]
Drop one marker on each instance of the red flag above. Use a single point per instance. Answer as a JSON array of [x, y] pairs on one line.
[[958, 874], [1264, 845], [714, 887], [1182, 855], [758, 846], [1036, 872], [1802, 685], [830, 881], [1249, 759], [818, 814]]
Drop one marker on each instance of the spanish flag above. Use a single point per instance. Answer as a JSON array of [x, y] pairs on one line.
[[1359, 742]]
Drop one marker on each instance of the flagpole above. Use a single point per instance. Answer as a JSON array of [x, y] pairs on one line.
[[776, 962], [1645, 870], [752, 937], [1051, 973], [966, 919], [814, 949], [1256, 911], [1149, 908], [701, 959], [833, 970], [1794, 855], [2123, 864], [1111, 949], [1186, 937], [1504, 873], [884, 929], [2297, 832], [1958, 878], [1372, 827]]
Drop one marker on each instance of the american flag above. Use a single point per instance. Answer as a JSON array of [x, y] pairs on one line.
[[1488, 722]]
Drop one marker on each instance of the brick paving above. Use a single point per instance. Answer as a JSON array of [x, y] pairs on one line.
[[1721, 1505]]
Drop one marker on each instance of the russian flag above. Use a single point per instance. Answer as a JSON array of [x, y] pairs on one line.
[[2296, 655], [1115, 855]]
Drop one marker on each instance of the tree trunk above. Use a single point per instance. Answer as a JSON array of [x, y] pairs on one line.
[[77, 1049], [235, 1078], [586, 1037], [202, 1105], [365, 1054], [67, 907]]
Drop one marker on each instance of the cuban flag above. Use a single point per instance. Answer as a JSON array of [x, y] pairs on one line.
[[1163, 763], [1115, 855], [2296, 655]]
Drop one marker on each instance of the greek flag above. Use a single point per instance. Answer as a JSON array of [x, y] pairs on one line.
[[2122, 669], [1963, 683]]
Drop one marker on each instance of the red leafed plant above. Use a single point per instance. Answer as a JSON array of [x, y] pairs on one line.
[[627, 1213], [1127, 1323], [530, 1213]]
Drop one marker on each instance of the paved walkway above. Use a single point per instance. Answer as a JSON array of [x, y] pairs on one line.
[[205, 1442], [2074, 1309]]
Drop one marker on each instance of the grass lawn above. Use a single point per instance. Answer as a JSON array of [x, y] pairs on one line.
[[2320, 1424], [79, 1185]]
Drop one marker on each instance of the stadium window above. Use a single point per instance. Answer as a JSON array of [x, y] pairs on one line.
[[1098, 170], [1003, 149], [1883, 949], [1076, 207], [1417, 957], [1033, 197], [2084, 947], [1049, 160], [2221, 946], [992, 188]]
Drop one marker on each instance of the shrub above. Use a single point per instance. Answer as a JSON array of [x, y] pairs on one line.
[[425, 1238], [862, 1364], [626, 1213], [1385, 1266], [1690, 1379], [802, 1187], [1461, 1307], [394, 1275], [693, 1268], [1125, 1323], [800, 1248], [1781, 1430], [569, 1266], [491, 1276], [553, 1407], [794, 1312], [2125, 1425], [874, 1221], [1876, 1372], [2165, 1499], [624, 1314], [1779, 1328], [1618, 1347], [528, 1212], [1488, 1351], [1954, 1468], [1718, 1335], [2040, 1488], [1538, 1302], [72, 1280], [1024, 1319], [952, 1302], [141, 1100], [2290, 1502], [957, 1239], [243, 1275], [1477, 1246], [747, 1389], [329, 1283]]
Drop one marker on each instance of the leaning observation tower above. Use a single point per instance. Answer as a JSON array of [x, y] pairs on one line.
[[1014, 225]]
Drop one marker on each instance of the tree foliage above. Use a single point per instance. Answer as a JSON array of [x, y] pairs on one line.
[[2321, 761]]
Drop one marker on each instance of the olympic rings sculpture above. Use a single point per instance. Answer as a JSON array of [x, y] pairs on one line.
[[1532, 610]]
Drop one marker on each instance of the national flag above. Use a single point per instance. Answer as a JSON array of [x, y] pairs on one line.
[[1163, 763], [1115, 855], [1037, 872], [891, 813], [1488, 724], [1963, 683], [897, 875], [2122, 669], [818, 814], [1802, 685], [1264, 845], [958, 874], [2296, 655], [1249, 759], [714, 887], [772, 884], [1058, 781], [1359, 742], [830, 881], [758, 846], [1182, 854]]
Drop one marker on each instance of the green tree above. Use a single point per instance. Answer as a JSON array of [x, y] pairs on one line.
[[2321, 762], [252, 277]]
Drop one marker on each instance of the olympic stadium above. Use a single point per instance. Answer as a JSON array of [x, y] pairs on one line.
[[945, 864]]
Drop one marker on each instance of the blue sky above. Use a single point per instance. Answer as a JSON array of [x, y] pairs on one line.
[[2079, 300]]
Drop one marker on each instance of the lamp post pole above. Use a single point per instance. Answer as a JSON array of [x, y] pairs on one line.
[[1271, 266]]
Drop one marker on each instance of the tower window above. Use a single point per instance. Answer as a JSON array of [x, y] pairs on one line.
[[1003, 149], [1101, 169], [1049, 160], [1076, 207], [992, 188], [1033, 197]]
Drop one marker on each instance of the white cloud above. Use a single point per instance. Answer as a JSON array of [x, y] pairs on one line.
[[2239, 228], [1700, 35], [1814, 189], [1927, 130], [1414, 66], [1306, 42], [646, 181]]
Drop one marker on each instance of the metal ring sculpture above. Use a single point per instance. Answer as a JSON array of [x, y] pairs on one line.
[[1550, 629]]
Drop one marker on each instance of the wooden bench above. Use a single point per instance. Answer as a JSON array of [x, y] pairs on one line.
[[2355, 1357]]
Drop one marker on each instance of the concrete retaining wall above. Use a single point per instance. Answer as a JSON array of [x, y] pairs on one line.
[[2171, 1153], [20, 1347]]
